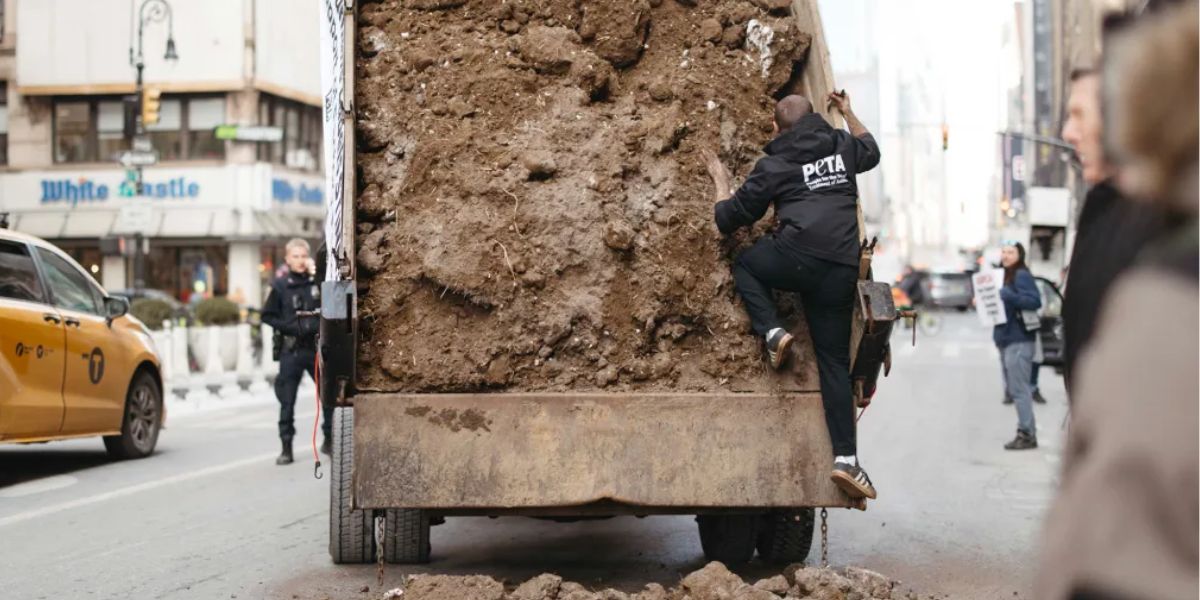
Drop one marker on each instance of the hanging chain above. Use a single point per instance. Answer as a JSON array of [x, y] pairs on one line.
[[824, 538], [380, 530]]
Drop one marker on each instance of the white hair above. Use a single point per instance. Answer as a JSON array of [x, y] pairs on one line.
[[297, 243]]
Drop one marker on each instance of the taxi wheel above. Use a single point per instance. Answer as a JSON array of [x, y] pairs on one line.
[[143, 419]]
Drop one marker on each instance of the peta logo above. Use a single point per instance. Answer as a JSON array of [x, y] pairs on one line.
[[828, 171]]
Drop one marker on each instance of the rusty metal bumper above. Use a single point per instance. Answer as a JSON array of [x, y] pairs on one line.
[[580, 454]]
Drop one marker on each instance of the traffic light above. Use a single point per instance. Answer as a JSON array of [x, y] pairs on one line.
[[130, 105], [151, 101], [945, 137]]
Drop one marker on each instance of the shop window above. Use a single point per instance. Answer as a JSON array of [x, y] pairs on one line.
[[92, 129], [302, 133], [167, 134], [3, 105], [72, 126], [18, 277], [204, 115], [189, 273], [110, 129]]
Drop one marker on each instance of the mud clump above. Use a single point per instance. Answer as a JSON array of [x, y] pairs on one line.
[[713, 582], [533, 211]]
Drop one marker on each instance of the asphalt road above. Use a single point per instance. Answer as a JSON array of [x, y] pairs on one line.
[[211, 516]]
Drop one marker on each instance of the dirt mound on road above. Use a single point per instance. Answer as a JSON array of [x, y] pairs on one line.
[[713, 582], [533, 211]]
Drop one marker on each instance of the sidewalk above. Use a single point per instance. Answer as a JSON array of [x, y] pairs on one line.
[[181, 399]]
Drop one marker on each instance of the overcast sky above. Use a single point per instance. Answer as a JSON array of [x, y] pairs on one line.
[[954, 48]]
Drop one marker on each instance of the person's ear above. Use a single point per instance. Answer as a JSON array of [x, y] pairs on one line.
[[774, 127]]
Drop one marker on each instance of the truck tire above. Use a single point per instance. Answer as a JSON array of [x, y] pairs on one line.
[[785, 537], [406, 536], [728, 538], [351, 532]]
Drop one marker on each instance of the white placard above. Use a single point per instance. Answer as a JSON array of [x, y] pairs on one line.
[[987, 297], [333, 86]]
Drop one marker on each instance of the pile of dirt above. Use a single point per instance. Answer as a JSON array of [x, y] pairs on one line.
[[533, 212], [713, 582]]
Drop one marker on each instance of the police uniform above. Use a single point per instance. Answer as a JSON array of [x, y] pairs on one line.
[[292, 309]]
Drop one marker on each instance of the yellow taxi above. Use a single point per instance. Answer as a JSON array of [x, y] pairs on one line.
[[73, 362]]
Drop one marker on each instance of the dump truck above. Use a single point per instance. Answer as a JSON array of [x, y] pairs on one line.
[[527, 310]]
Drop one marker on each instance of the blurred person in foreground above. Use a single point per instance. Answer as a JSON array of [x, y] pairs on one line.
[[1017, 345], [293, 310], [1111, 229], [1125, 522]]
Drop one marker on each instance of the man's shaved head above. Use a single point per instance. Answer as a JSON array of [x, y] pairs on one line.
[[790, 110]]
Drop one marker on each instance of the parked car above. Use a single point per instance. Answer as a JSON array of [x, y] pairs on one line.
[[1051, 331], [948, 289], [73, 362]]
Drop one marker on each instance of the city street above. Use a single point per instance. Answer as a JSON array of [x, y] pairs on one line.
[[210, 515]]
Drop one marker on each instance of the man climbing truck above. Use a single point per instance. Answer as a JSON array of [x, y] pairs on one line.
[[808, 175], [524, 314]]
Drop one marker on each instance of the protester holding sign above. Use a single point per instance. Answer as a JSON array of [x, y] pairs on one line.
[[1015, 337]]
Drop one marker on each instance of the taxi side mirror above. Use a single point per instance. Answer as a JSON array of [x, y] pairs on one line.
[[115, 308]]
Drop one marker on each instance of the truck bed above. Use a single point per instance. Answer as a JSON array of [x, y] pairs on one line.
[[592, 453]]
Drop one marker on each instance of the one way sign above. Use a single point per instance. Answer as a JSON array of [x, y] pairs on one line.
[[134, 158]]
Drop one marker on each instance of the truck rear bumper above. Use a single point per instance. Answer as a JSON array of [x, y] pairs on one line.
[[581, 454]]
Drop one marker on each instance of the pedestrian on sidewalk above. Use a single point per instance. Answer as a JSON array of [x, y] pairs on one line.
[[1017, 345], [293, 310], [1038, 398]]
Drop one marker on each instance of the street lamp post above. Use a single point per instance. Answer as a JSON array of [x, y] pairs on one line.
[[150, 11]]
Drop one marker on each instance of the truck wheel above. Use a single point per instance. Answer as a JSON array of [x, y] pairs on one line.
[[406, 536], [351, 532], [785, 537], [142, 420], [728, 538]]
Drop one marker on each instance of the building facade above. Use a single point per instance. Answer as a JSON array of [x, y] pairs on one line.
[[213, 214]]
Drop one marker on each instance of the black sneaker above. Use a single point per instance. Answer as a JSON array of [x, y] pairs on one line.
[[853, 480], [326, 446], [1023, 441], [1037, 397], [777, 348], [1008, 399]]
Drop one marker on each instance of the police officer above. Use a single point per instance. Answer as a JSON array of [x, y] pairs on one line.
[[293, 310]]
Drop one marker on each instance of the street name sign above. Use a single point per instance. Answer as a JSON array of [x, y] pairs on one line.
[[249, 133]]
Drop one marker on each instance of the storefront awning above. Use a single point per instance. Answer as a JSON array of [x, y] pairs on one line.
[[44, 225], [179, 222]]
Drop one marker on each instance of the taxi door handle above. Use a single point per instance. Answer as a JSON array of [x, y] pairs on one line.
[[49, 318], [72, 322]]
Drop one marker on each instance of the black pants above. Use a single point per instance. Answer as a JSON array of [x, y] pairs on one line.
[[827, 290], [293, 364]]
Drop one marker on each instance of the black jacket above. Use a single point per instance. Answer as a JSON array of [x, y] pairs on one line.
[[1112, 232], [291, 293], [808, 175]]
